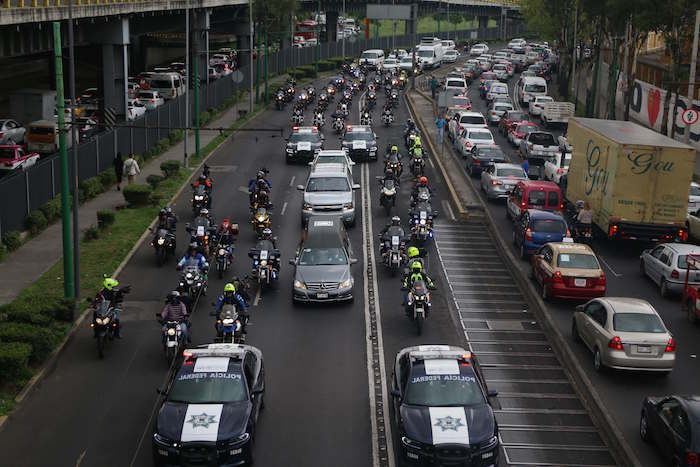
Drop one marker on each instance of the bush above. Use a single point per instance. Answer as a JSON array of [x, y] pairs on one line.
[[52, 209], [105, 218], [3, 252], [170, 168], [35, 222], [92, 187], [14, 357], [23, 314], [108, 178], [204, 118], [137, 195], [154, 180], [12, 240], [91, 233], [163, 145], [176, 136], [41, 339]]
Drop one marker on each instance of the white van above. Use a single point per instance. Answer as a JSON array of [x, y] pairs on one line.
[[169, 85], [430, 56], [372, 58], [448, 45], [531, 86]]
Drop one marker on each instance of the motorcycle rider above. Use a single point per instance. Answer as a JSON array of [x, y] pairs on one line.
[[416, 274], [108, 293], [226, 235], [394, 151], [416, 149], [231, 297], [389, 175], [269, 243], [260, 182], [166, 220], [413, 256], [175, 310], [393, 229], [194, 258], [408, 126], [422, 183]]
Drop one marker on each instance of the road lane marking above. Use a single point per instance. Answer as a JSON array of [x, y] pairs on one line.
[[256, 300], [80, 458], [284, 208], [608, 266], [291, 182], [243, 189], [430, 161], [382, 451], [448, 208]]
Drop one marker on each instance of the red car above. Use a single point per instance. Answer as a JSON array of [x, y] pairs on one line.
[[511, 117], [568, 270], [13, 157]]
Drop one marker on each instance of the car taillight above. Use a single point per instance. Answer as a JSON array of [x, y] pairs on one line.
[[496, 182], [528, 234], [601, 280], [519, 135], [682, 233], [2, 135], [532, 147], [153, 100], [691, 458], [557, 277], [671, 347], [612, 231], [560, 171], [616, 343], [675, 274], [493, 112]]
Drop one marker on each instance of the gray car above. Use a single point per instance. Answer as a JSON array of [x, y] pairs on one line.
[[498, 179], [329, 191], [498, 110], [322, 263], [11, 131], [666, 265]]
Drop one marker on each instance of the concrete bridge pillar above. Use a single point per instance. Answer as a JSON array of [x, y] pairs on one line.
[[199, 42], [412, 24], [113, 36], [483, 22], [331, 26]]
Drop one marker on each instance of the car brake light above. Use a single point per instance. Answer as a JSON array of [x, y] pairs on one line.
[[612, 231], [2, 135], [675, 274], [532, 147], [528, 234], [153, 100], [616, 343], [560, 171], [692, 458], [683, 234], [496, 182], [601, 280], [671, 347], [568, 233], [557, 277]]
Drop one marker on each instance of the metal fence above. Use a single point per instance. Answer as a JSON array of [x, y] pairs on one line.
[[25, 191]]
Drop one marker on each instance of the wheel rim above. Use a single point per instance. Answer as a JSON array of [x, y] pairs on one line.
[[596, 360], [643, 426]]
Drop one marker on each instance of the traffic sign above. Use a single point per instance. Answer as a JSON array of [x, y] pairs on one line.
[[690, 116]]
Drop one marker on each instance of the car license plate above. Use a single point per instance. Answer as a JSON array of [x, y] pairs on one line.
[[643, 349], [321, 295], [580, 282]]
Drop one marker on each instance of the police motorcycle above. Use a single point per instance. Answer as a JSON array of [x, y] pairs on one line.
[[393, 162], [230, 325], [105, 316], [417, 163], [354, 88], [200, 198], [224, 248], [323, 101], [193, 282], [394, 97], [347, 96], [291, 90], [393, 251], [297, 116], [303, 98], [163, 244], [319, 119], [338, 82], [330, 90], [311, 91], [421, 216], [201, 231], [366, 118], [338, 123], [387, 116], [266, 261], [418, 304], [387, 194], [371, 99], [410, 137], [280, 99]]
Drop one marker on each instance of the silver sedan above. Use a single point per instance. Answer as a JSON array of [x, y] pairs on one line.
[[500, 178]]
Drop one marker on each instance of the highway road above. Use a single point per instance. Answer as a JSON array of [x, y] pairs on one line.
[[322, 377], [622, 392]]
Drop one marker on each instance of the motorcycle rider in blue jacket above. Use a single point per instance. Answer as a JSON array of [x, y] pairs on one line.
[[193, 258]]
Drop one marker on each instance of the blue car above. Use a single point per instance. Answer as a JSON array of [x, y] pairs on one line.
[[534, 228]]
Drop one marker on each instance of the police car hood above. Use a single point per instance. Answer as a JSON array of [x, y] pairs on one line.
[[448, 425], [184, 422]]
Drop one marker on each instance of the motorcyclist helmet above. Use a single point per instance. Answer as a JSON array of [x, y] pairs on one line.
[[193, 247], [229, 290], [413, 252], [394, 149], [204, 212], [396, 221], [202, 178], [168, 210], [267, 233], [416, 267], [389, 173], [174, 297], [110, 283], [423, 181]]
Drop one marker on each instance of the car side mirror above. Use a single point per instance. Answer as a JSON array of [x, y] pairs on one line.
[[311, 163], [579, 307], [292, 262], [353, 260], [491, 393], [396, 393], [300, 187], [355, 186]]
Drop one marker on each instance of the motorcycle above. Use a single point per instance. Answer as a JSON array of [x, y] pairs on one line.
[[338, 124], [410, 137], [394, 98], [200, 199], [387, 196], [422, 229], [394, 164], [418, 304], [319, 121], [331, 93], [260, 220], [394, 254], [297, 118], [194, 283], [229, 326], [172, 339], [164, 245], [280, 101], [347, 95], [366, 119], [311, 91], [224, 259], [417, 166], [104, 318], [200, 232], [264, 270], [363, 81], [387, 118], [583, 233], [290, 93], [371, 99]]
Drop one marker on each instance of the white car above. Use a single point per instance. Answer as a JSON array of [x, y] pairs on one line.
[[465, 119], [556, 167], [497, 89], [478, 49], [450, 56], [151, 99], [406, 64], [459, 84], [694, 199], [390, 64], [501, 54], [470, 137], [136, 110], [332, 156], [536, 106]]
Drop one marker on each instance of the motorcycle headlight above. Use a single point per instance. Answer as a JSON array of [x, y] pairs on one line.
[[171, 332], [290, 150], [105, 320], [98, 320], [422, 222], [263, 263], [161, 241], [260, 218], [346, 284], [299, 284], [228, 321], [222, 252], [199, 198], [419, 298]]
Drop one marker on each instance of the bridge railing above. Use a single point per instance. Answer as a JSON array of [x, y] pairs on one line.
[[23, 192]]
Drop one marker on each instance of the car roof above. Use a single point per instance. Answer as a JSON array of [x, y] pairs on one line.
[[628, 305], [539, 184], [331, 168], [540, 214], [569, 247], [426, 352], [221, 350], [683, 248], [506, 165], [331, 152], [358, 129], [322, 231]]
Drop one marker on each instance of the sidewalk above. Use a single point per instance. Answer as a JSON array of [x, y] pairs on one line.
[[25, 265]]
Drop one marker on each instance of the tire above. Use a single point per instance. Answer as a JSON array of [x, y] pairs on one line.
[[597, 361], [170, 355], [644, 427], [101, 346], [419, 325], [692, 317], [574, 331], [663, 289]]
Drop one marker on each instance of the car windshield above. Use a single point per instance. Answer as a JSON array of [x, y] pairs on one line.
[[160, 83], [359, 136], [407, 60], [456, 83], [526, 129], [694, 190], [311, 137], [491, 153], [480, 135], [549, 226], [638, 322], [535, 87], [331, 159], [42, 130], [426, 53], [499, 90], [327, 184], [502, 107], [147, 95], [208, 387], [369, 55], [443, 391], [543, 139], [472, 120], [322, 257], [390, 61], [511, 172], [577, 261], [536, 198]]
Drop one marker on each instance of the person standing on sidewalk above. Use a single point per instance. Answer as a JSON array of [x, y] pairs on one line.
[[131, 167], [440, 125], [433, 85], [118, 169]]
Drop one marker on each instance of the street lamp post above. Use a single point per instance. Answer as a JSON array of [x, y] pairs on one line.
[[188, 74], [74, 140]]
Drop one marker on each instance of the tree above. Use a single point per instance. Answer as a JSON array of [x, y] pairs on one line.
[[275, 16]]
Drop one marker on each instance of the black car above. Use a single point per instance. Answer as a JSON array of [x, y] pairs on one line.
[[441, 409], [360, 142], [303, 144], [673, 424], [481, 156], [211, 407]]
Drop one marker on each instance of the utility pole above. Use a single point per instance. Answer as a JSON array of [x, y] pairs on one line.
[[267, 50], [318, 36], [74, 147], [693, 65], [573, 68], [438, 16], [252, 96], [68, 284], [344, 30], [393, 30], [257, 71], [188, 74], [196, 100]]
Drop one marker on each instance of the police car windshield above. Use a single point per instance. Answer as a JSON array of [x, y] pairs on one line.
[[311, 137], [359, 136], [322, 257], [327, 184], [208, 387], [443, 390]]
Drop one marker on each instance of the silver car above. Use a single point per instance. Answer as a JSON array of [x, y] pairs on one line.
[[329, 191], [500, 178], [666, 265], [498, 110], [11, 132], [624, 333]]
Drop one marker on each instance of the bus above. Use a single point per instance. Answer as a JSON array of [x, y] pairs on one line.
[[306, 29]]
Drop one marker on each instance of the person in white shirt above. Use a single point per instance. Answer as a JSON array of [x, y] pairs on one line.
[[131, 168]]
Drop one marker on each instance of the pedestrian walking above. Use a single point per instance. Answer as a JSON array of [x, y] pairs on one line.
[[433, 86], [118, 169], [526, 166], [440, 125], [131, 167]]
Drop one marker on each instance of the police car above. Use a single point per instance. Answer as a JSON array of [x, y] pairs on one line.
[[211, 407], [441, 409], [303, 144], [360, 142]]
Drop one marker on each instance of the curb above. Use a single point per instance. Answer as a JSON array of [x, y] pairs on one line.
[[621, 451], [53, 358]]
